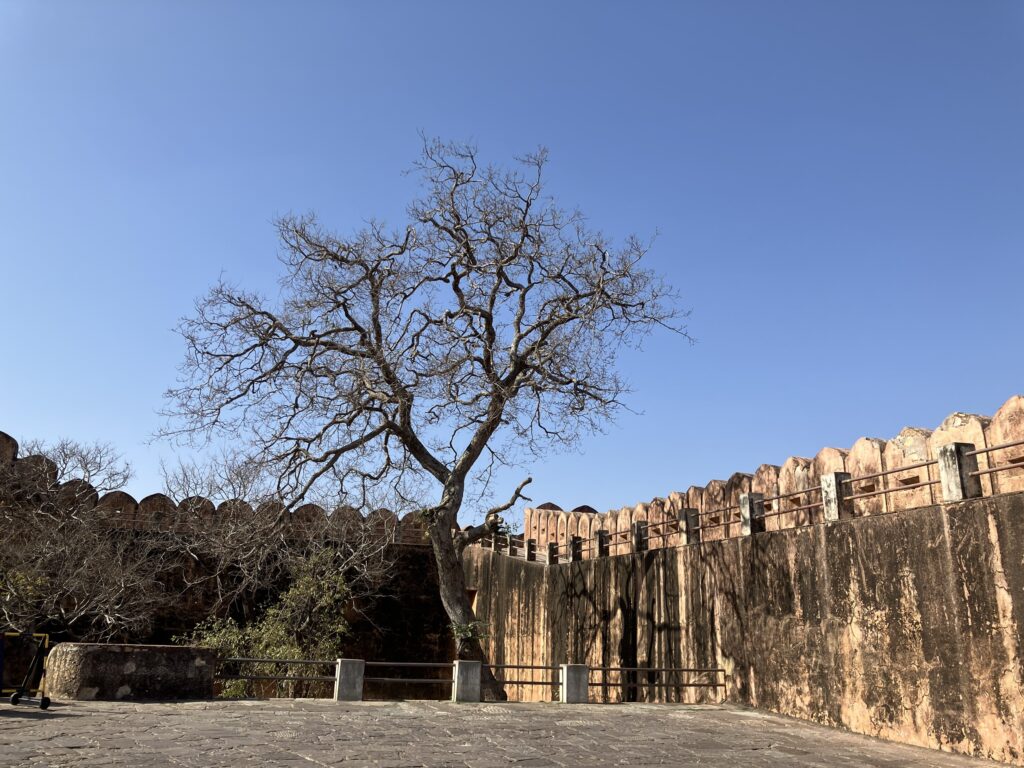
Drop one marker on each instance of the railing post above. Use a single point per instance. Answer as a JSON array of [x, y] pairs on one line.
[[552, 552], [575, 549], [691, 517], [496, 543], [640, 536], [835, 491], [751, 513], [574, 682], [955, 468], [511, 546], [531, 550], [348, 679], [604, 544], [466, 681]]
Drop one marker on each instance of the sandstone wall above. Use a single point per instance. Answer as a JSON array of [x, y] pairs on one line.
[[873, 463], [905, 627], [28, 477]]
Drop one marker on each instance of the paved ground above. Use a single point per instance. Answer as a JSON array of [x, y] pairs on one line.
[[318, 733]]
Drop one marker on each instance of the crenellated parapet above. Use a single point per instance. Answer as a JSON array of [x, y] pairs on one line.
[[872, 477], [34, 479]]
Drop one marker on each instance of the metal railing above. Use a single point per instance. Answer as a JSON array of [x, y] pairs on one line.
[[496, 668], [410, 665], [275, 680], [1017, 463], [632, 681]]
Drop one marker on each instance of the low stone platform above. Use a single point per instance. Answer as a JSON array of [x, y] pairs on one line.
[[321, 733]]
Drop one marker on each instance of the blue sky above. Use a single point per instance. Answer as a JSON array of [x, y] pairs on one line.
[[838, 188]]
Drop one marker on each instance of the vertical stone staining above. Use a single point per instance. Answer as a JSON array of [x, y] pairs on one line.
[[869, 605], [860, 626]]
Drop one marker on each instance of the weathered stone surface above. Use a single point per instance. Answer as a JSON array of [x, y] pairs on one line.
[[36, 472], [866, 458], [1007, 426], [908, 448], [623, 531], [8, 448], [76, 496], [713, 513], [197, 507], [964, 428], [766, 482], [412, 529], [155, 511], [110, 672], [737, 485], [237, 509], [118, 507], [906, 627], [797, 474], [419, 733]]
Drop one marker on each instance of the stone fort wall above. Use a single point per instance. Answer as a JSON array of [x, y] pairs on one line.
[[158, 512], [902, 619], [792, 491]]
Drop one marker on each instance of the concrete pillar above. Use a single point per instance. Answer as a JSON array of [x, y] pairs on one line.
[[751, 513], [692, 520], [575, 549], [604, 543], [466, 681], [531, 550], [640, 536], [348, 679], [552, 552], [955, 468], [835, 490], [574, 680]]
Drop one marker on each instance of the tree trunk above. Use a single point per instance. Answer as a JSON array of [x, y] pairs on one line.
[[452, 581]]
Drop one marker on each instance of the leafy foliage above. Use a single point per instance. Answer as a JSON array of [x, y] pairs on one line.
[[307, 621]]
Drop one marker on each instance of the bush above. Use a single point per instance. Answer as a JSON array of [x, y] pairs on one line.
[[307, 621]]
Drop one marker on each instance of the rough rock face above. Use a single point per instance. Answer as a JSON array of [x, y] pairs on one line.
[[908, 627], [96, 671]]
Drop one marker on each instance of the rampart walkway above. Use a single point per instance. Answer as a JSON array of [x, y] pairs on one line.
[[316, 733]]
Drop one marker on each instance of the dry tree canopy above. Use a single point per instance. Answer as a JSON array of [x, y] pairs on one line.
[[83, 560], [61, 569], [482, 332]]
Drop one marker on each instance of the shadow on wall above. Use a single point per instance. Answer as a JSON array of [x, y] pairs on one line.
[[905, 627]]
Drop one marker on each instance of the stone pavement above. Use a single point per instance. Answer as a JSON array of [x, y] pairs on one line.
[[322, 733]]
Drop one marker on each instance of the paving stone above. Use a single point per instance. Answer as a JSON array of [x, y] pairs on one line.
[[413, 734]]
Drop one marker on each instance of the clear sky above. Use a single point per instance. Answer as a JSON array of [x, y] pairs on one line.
[[838, 188]]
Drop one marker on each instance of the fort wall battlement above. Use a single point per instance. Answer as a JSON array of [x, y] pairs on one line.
[[37, 475], [885, 476]]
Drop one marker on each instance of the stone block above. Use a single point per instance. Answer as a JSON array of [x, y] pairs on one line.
[[958, 467], [348, 679], [109, 672], [835, 493], [751, 513], [466, 681], [574, 680]]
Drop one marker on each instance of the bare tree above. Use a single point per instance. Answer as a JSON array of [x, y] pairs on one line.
[[87, 571], [253, 542], [61, 569], [414, 361]]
